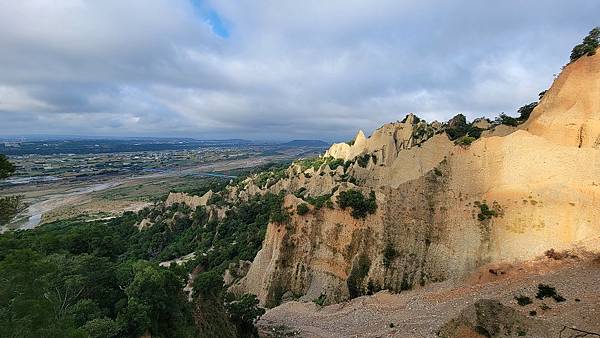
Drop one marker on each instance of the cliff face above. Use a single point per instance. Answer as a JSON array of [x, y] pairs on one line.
[[443, 209], [569, 114]]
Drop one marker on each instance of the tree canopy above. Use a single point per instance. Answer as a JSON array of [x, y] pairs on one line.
[[589, 45], [6, 167]]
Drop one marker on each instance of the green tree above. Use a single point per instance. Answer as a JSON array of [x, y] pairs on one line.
[[101, 328], [156, 303], [360, 205], [302, 209], [589, 45], [243, 313], [525, 111], [209, 283], [10, 205], [6, 167], [507, 120]]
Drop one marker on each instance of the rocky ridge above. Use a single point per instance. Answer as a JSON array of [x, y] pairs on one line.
[[450, 197], [443, 208]]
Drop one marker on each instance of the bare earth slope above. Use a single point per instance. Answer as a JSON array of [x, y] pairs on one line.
[[423, 312]]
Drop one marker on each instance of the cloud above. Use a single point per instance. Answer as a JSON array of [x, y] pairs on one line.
[[273, 69]]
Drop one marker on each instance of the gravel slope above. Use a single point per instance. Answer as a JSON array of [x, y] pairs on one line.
[[420, 313]]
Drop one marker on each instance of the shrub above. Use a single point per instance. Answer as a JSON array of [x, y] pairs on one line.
[[6, 168], [334, 163], [474, 132], [360, 205], [465, 141], [217, 199], [319, 201], [389, 253], [588, 46], [320, 301], [507, 120], [268, 178], [302, 209], [525, 111], [314, 163], [485, 212], [101, 328], [243, 312], [279, 215], [9, 207], [423, 130], [545, 291], [523, 300], [208, 283], [347, 165], [363, 160], [457, 127]]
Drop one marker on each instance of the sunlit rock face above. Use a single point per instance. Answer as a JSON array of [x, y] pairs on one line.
[[443, 209]]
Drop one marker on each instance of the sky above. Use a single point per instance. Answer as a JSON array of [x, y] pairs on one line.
[[274, 70]]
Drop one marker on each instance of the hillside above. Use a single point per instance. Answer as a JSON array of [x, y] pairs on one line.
[[437, 308], [441, 207]]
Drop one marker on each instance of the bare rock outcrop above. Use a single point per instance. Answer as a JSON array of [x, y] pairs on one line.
[[386, 141], [569, 112], [190, 200], [490, 319]]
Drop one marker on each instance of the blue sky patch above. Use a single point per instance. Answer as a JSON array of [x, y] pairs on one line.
[[212, 18]]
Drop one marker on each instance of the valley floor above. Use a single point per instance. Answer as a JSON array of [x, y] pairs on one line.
[[421, 312]]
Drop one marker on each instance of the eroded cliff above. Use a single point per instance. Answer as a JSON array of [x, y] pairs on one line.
[[443, 208]]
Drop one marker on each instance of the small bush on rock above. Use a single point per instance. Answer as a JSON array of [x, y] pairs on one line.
[[302, 209], [360, 205]]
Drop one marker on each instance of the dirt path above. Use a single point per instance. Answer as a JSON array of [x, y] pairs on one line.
[[420, 313]]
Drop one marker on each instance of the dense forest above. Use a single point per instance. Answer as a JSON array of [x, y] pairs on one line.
[[77, 278]]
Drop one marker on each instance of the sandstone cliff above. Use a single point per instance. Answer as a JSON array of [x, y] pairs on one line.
[[443, 209]]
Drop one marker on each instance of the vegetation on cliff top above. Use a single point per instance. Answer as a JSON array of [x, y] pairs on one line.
[[589, 45]]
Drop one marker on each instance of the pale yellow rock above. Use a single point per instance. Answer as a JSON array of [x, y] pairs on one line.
[[542, 180], [482, 123], [569, 112], [189, 200]]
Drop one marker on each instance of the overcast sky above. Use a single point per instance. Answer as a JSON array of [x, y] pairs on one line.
[[274, 70]]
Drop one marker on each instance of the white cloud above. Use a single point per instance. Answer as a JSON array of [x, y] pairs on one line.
[[286, 69]]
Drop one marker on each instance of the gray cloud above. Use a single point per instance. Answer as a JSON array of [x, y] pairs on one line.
[[286, 69]]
